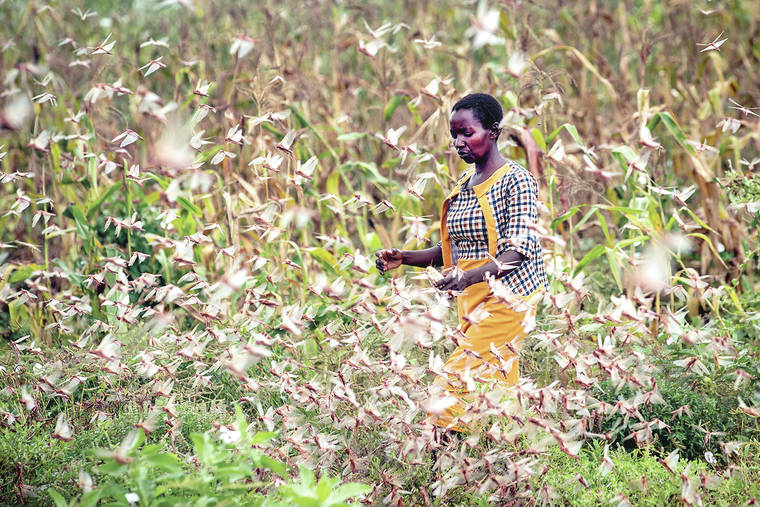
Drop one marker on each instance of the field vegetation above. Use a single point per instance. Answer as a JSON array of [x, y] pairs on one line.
[[192, 192]]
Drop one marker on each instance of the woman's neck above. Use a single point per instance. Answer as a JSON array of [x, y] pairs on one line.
[[488, 165]]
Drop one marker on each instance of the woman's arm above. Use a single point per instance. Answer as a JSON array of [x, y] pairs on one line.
[[393, 257], [502, 266], [432, 256]]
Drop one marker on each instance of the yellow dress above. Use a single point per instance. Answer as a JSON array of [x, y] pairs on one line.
[[512, 190]]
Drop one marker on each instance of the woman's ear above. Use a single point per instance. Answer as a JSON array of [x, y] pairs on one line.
[[495, 131]]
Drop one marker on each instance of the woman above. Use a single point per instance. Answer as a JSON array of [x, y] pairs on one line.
[[486, 231]]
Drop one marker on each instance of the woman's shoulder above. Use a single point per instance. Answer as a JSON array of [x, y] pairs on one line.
[[517, 171], [516, 175]]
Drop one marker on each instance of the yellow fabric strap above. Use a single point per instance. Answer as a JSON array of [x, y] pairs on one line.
[[445, 241], [481, 192], [482, 188], [485, 206]]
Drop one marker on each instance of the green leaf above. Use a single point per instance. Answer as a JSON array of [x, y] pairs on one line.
[[350, 490], [735, 299], [152, 198], [415, 113], [323, 256], [18, 313], [614, 262], [351, 136], [90, 499], [324, 487], [625, 156], [202, 445], [564, 216], [272, 130], [275, 466], [263, 436], [696, 218], [592, 255], [55, 154], [171, 500], [570, 130], [165, 461], [333, 184], [392, 105], [583, 220], [189, 206], [137, 441], [307, 476], [57, 498], [111, 467], [83, 230], [95, 205], [672, 126], [296, 499], [242, 425], [163, 182], [603, 224], [538, 136], [510, 99], [152, 449], [505, 24], [630, 241], [232, 473], [21, 274], [709, 244], [372, 241], [116, 492]]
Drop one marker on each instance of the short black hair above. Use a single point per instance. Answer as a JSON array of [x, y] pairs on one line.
[[485, 108]]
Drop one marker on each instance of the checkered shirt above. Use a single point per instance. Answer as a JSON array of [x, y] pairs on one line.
[[513, 200]]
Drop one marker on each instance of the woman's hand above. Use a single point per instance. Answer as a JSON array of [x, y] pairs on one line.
[[456, 281], [389, 258]]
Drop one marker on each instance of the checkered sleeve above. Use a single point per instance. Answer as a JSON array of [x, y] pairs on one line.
[[521, 199]]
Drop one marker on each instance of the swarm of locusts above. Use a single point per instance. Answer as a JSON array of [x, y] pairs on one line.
[[182, 219]]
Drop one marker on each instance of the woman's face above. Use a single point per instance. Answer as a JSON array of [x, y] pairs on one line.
[[472, 140]]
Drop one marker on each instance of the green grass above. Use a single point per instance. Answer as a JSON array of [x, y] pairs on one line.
[[561, 484]]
